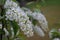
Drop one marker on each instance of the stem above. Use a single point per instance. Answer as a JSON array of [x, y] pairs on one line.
[[0, 15], [2, 20]]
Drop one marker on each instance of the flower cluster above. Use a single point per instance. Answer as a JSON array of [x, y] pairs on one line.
[[14, 12], [37, 15], [21, 16], [41, 21]]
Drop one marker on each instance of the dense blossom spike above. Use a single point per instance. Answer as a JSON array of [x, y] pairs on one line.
[[39, 17], [14, 12]]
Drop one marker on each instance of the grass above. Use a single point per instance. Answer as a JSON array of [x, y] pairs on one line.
[[52, 14], [51, 2], [38, 5], [51, 8]]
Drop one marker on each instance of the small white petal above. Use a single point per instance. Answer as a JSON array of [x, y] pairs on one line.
[[12, 32], [0, 26], [39, 31], [6, 32]]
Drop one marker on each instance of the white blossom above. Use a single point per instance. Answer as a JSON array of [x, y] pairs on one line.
[[12, 32], [39, 17], [6, 32], [56, 39], [27, 11], [14, 12], [27, 28], [39, 31], [10, 4], [0, 26]]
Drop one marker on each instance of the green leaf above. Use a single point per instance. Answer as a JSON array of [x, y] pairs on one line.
[[55, 34], [4, 38], [15, 26], [1, 31], [22, 36], [2, 2], [33, 5], [33, 20]]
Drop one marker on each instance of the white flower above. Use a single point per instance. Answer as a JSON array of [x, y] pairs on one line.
[[10, 4], [14, 12], [27, 29], [12, 32], [27, 11], [56, 39], [0, 26], [6, 32], [9, 14], [39, 31], [39, 17]]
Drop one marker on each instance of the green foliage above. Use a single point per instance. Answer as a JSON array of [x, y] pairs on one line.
[[53, 2], [33, 20], [1, 31], [55, 34], [22, 36], [15, 26], [2, 2], [33, 5]]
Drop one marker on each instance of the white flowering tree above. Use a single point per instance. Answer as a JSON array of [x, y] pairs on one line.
[[16, 21]]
